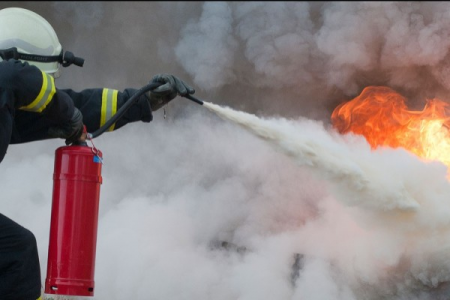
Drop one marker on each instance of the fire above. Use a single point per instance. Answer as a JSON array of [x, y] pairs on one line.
[[382, 117]]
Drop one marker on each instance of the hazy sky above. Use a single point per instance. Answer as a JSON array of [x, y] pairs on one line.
[[370, 224]]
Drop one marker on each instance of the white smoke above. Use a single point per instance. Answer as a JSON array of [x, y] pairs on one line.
[[210, 42], [195, 207]]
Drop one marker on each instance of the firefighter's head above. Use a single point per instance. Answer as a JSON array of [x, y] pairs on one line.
[[27, 36]]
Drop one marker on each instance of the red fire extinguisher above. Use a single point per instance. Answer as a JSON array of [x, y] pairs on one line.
[[74, 218]]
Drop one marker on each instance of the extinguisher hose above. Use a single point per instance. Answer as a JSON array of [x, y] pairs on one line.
[[128, 104]]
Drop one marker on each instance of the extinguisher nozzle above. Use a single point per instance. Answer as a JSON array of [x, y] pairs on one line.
[[192, 98]]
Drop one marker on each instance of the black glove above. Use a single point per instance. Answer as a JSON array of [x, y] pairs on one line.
[[71, 131], [163, 94]]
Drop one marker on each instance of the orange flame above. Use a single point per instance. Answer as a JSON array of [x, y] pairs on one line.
[[382, 117]]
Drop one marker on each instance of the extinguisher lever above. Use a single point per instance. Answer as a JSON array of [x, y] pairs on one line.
[[82, 140]]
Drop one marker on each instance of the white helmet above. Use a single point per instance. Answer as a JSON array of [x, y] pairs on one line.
[[27, 36]]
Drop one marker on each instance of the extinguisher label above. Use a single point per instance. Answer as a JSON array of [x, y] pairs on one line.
[[98, 159]]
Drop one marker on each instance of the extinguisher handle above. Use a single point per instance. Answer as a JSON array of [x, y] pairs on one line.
[[82, 140], [123, 109]]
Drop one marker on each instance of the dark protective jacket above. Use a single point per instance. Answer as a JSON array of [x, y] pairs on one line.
[[35, 104]]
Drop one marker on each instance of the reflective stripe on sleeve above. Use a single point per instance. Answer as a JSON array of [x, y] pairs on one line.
[[45, 95], [109, 106]]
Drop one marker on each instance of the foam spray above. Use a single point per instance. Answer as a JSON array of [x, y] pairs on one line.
[[400, 196]]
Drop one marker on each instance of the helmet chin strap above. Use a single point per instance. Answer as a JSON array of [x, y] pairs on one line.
[[65, 59]]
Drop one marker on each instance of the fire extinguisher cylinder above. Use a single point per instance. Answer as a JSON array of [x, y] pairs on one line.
[[74, 221]]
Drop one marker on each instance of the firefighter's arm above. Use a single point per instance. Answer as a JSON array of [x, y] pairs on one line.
[[101, 104], [96, 105]]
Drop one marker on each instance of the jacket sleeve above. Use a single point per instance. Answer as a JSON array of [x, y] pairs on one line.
[[97, 105], [101, 104]]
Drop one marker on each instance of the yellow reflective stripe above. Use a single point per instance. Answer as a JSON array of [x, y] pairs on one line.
[[45, 95], [109, 107]]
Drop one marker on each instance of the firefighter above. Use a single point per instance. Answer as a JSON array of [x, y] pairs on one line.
[[32, 108]]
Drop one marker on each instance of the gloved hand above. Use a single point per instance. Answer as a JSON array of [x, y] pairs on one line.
[[71, 131], [163, 94]]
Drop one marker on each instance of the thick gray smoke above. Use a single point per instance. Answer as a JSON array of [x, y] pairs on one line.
[[195, 207]]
